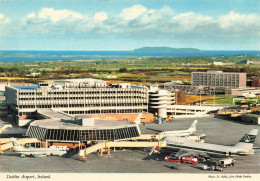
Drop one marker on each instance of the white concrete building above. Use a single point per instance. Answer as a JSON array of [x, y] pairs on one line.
[[76, 97], [243, 91], [159, 100], [190, 111], [219, 79]]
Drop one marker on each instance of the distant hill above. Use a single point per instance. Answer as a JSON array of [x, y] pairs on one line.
[[165, 49]]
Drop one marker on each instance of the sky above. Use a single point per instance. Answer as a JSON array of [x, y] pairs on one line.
[[129, 24]]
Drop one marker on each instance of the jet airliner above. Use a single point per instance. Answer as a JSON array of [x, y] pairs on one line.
[[243, 147]]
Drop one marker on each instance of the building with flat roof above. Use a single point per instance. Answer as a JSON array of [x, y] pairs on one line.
[[76, 97], [82, 129], [246, 92], [190, 110], [219, 79]]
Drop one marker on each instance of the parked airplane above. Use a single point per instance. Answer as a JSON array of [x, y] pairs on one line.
[[186, 132], [243, 147], [37, 151]]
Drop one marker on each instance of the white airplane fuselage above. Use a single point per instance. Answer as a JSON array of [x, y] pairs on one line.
[[37, 151], [40, 151], [243, 147], [181, 133], [177, 133]]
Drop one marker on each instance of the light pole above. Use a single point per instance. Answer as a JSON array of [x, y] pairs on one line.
[[214, 97], [200, 97]]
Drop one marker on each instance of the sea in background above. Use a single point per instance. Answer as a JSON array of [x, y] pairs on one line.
[[40, 55]]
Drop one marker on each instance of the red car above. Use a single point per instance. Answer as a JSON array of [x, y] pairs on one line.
[[183, 159]]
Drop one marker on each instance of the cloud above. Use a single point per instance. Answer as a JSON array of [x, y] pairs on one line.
[[56, 15], [4, 25], [2, 16], [132, 12], [31, 15], [100, 16], [147, 23], [137, 22], [238, 22], [4, 19], [189, 20]]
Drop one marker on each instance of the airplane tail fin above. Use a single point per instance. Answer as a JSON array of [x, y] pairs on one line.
[[193, 126], [247, 141], [16, 145], [138, 119]]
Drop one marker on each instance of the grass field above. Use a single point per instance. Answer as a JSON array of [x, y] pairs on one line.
[[183, 99], [13, 78]]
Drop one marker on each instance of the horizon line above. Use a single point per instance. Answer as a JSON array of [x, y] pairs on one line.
[[123, 50]]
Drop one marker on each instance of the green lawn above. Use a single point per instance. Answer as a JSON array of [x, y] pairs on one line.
[[228, 99]]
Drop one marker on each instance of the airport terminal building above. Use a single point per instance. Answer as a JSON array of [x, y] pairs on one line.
[[76, 97], [82, 129]]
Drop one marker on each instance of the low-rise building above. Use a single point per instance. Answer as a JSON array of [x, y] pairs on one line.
[[246, 91], [221, 63], [190, 110]]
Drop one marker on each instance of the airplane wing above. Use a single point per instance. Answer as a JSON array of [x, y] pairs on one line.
[[156, 130], [196, 154], [182, 153]]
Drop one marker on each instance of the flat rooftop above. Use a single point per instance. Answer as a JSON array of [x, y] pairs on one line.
[[27, 87], [67, 88], [79, 80], [71, 124], [220, 72]]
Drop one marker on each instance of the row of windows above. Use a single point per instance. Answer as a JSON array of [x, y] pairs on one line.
[[214, 83], [80, 105], [83, 135], [211, 82], [97, 111], [84, 98], [142, 91], [218, 77], [107, 111], [27, 114], [203, 74]]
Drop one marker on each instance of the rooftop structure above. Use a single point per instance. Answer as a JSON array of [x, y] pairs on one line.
[[80, 83]]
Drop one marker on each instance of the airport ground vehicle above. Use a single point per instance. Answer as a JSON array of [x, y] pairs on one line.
[[227, 162], [212, 167]]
